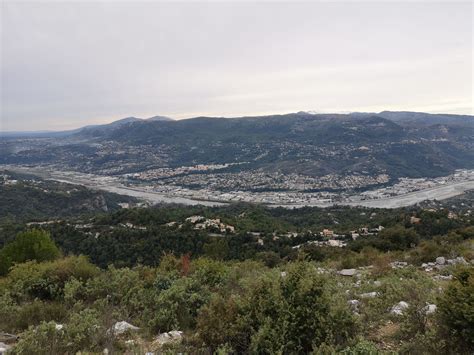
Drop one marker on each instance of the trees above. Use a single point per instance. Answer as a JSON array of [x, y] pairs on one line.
[[456, 312], [31, 245], [393, 238], [245, 297], [217, 249]]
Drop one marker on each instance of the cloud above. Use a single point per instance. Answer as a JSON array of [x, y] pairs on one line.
[[67, 64]]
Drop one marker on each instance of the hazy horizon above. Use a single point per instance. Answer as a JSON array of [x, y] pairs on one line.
[[67, 65], [102, 122]]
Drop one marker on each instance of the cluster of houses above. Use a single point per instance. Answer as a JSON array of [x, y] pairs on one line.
[[332, 239], [365, 231], [6, 180], [201, 223]]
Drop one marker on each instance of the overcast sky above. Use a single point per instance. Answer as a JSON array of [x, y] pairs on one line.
[[65, 65]]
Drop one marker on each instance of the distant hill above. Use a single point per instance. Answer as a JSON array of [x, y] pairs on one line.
[[420, 118], [97, 130], [311, 129], [159, 118], [400, 144], [89, 128]]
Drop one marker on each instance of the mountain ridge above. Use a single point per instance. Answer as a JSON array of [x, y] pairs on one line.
[[116, 123], [403, 117], [399, 145]]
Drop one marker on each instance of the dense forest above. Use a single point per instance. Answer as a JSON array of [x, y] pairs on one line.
[[143, 235], [26, 197], [241, 279]]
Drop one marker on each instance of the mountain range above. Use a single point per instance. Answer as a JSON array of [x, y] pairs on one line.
[[400, 144], [104, 127]]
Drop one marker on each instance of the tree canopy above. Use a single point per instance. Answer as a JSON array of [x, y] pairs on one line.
[[30, 245]]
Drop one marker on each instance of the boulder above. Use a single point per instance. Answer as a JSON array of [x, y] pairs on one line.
[[175, 336], [123, 327], [430, 309], [4, 348], [369, 295], [458, 260], [320, 270], [440, 260], [354, 305], [353, 302], [398, 264], [399, 308], [347, 272]]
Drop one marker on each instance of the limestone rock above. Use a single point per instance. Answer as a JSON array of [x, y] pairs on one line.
[[430, 308], [399, 308], [122, 327], [347, 272], [175, 336]]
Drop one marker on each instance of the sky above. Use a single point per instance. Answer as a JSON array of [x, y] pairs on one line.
[[69, 64]]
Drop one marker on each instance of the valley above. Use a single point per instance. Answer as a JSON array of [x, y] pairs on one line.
[[407, 193], [386, 159]]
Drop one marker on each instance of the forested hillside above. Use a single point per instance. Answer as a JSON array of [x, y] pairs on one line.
[[25, 197], [400, 144]]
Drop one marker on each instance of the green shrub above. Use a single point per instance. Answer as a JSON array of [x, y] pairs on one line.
[[177, 306], [114, 283], [38, 311], [8, 311], [425, 344], [225, 314], [83, 331], [275, 314], [272, 259], [363, 347], [217, 249], [456, 312], [44, 339], [46, 280], [122, 293], [209, 272]]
